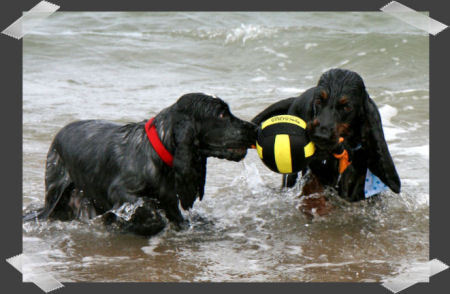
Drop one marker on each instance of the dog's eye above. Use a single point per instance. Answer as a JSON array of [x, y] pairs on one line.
[[346, 106], [222, 115]]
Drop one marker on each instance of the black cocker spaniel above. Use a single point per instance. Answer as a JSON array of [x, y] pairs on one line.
[[340, 107], [95, 167]]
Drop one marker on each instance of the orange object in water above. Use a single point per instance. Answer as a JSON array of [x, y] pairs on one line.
[[343, 161], [343, 158]]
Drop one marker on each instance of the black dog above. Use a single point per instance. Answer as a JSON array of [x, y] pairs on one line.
[[339, 106], [95, 166]]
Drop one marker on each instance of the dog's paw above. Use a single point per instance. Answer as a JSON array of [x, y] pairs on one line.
[[146, 220], [315, 205]]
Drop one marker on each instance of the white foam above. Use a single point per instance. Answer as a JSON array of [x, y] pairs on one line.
[[310, 45], [127, 210], [226, 264], [254, 181], [387, 112], [328, 264], [153, 244], [291, 90], [101, 259], [391, 133], [404, 91], [343, 62], [236, 235], [31, 239], [423, 151], [423, 199], [294, 250], [259, 79], [271, 51], [248, 32], [87, 33]]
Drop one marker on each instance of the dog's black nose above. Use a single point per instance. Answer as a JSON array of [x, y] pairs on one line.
[[324, 137], [323, 133], [253, 130]]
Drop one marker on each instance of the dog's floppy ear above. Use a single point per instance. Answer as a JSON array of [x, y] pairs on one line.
[[379, 159], [189, 166]]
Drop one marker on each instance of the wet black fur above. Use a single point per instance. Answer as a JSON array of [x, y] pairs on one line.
[[95, 166], [365, 130]]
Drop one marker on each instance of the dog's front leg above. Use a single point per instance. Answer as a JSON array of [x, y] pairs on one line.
[[142, 217], [169, 203], [314, 201], [118, 194], [145, 220]]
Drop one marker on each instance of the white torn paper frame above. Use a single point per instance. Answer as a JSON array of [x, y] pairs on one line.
[[414, 18], [30, 19], [39, 277], [419, 273]]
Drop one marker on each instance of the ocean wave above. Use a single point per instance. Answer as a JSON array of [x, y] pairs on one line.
[[423, 151], [271, 51], [387, 112], [248, 32], [87, 33], [404, 91], [239, 34]]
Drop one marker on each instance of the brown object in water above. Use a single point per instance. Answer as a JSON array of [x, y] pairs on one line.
[[314, 204], [312, 186]]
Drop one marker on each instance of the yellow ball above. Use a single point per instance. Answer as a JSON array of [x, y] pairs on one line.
[[283, 144]]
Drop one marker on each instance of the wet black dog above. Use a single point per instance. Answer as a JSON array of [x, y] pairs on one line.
[[94, 167], [339, 106]]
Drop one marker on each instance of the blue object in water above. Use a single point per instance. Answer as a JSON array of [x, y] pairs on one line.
[[373, 185]]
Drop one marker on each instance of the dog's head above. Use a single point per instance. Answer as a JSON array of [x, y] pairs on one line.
[[341, 107], [336, 108], [202, 126], [217, 131]]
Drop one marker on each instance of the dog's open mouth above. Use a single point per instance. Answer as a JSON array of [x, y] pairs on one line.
[[238, 151], [328, 145], [235, 154]]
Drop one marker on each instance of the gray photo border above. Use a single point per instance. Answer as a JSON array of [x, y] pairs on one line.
[[11, 143]]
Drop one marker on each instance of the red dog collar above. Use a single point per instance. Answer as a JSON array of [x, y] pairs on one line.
[[152, 135]]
